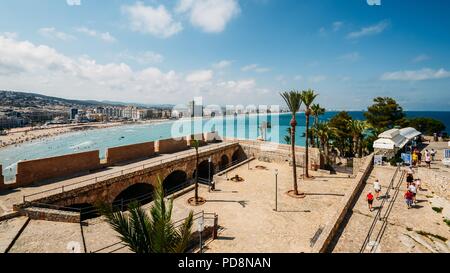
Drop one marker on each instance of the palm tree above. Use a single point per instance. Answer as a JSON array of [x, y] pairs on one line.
[[293, 101], [317, 111], [324, 132], [357, 128], [308, 98], [287, 138], [154, 234]]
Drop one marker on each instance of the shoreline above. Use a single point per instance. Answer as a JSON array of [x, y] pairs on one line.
[[19, 136]]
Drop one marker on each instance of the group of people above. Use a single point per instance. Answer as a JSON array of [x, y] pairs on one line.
[[417, 157], [412, 186]]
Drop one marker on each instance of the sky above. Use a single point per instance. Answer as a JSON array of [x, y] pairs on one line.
[[229, 51]]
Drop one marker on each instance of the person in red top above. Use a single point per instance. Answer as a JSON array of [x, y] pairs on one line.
[[370, 200], [409, 196]]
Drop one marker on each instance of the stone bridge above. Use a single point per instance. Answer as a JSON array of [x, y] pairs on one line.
[[173, 173]]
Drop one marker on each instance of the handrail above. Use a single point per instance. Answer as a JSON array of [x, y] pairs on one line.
[[377, 216], [137, 168], [387, 213]]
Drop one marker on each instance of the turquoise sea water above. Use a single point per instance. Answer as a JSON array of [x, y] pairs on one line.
[[240, 127]]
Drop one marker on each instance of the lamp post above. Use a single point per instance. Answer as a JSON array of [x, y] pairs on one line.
[[200, 230], [276, 190]]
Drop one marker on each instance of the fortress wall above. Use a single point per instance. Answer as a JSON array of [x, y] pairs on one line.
[[199, 137], [130, 152], [29, 172], [2, 180], [269, 151], [169, 146]]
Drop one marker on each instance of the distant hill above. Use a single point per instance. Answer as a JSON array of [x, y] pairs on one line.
[[23, 99]]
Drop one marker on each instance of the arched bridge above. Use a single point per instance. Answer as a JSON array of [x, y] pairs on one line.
[[173, 173]]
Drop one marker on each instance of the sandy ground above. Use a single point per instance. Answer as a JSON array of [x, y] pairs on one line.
[[8, 230], [246, 216]]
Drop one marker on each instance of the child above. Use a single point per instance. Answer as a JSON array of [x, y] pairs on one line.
[[409, 199], [370, 200], [413, 189]]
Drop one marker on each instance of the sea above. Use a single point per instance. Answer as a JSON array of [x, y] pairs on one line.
[[242, 127]]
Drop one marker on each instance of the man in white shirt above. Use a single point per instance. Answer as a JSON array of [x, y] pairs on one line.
[[412, 188], [377, 188]]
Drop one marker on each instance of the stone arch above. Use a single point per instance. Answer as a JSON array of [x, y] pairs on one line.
[[140, 192], [224, 162], [174, 180], [205, 169], [238, 155]]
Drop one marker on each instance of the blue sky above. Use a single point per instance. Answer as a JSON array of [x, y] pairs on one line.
[[229, 51]]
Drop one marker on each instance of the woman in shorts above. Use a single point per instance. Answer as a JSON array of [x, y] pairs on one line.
[[377, 188], [370, 200]]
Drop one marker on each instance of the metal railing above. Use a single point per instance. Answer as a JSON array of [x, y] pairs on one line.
[[100, 178], [378, 215]]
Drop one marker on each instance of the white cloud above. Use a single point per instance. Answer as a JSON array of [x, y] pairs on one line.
[[350, 57], [105, 36], [255, 68], [337, 26], [209, 15], [370, 30], [146, 57], [416, 75], [27, 66], [298, 77], [52, 33], [200, 76], [421, 58], [222, 64], [317, 78], [149, 20], [73, 2]]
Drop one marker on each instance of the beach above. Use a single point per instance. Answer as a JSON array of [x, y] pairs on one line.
[[23, 135]]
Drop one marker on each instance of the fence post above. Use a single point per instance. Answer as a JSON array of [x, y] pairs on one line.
[[216, 226], [62, 188]]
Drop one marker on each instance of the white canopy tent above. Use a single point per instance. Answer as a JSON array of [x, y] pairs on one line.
[[395, 138]]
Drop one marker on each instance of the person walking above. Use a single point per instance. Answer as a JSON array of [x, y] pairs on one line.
[[413, 189], [433, 155], [428, 159], [418, 184], [370, 201], [409, 199], [377, 188], [415, 158], [409, 180]]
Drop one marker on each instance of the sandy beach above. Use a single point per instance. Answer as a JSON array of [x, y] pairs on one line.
[[22, 135]]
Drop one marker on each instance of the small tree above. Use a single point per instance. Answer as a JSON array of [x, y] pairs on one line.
[[156, 233]]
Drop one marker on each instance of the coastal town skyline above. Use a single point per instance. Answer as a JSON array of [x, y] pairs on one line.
[[167, 52]]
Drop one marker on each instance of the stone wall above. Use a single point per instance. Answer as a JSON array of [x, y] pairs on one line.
[[130, 152], [107, 190], [29, 172], [170, 146], [198, 137], [274, 152], [2, 179]]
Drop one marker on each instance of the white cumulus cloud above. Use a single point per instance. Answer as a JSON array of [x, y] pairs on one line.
[[209, 15], [370, 30], [73, 2], [157, 21], [52, 33], [105, 36], [416, 75]]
